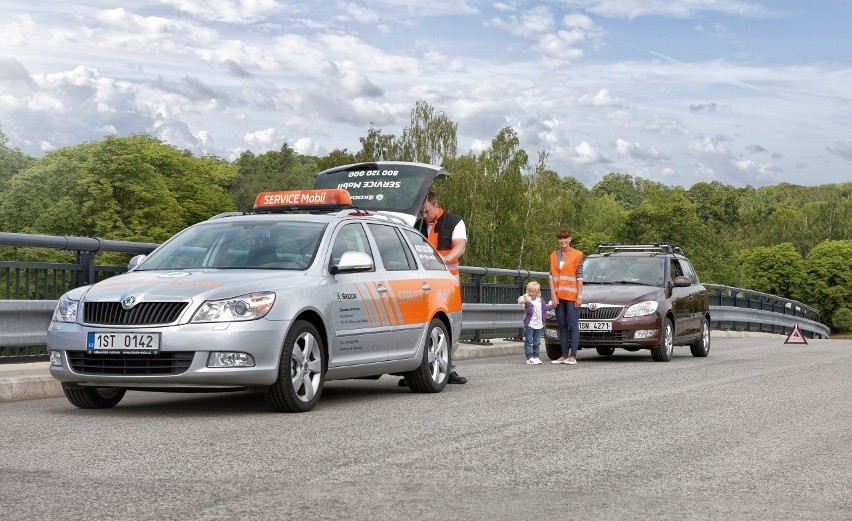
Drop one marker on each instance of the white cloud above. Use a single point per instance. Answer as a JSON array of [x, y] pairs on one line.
[[229, 11], [586, 154], [360, 14], [841, 149], [673, 8], [638, 153], [602, 99], [18, 30]]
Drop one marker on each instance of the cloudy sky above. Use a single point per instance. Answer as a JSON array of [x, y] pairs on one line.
[[743, 92]]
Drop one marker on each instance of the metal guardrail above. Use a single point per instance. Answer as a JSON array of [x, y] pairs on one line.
[[489, 309]]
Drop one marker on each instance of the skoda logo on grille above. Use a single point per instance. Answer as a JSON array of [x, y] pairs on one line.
[[592, 307], [128, 302]]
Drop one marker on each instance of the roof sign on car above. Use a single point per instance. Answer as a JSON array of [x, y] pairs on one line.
[[328, 200]]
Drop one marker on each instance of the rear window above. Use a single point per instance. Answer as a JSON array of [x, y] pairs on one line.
[[393, 187]]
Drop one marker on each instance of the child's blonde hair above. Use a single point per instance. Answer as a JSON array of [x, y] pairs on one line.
[[534, 285]]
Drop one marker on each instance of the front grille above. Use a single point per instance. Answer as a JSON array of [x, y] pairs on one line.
[[142, 314], [602, 313], [165, 363], [603, 336]]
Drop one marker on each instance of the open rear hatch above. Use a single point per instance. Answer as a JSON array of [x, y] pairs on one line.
[[395, 187]]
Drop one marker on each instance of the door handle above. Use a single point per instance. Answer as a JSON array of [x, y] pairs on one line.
[[381, 288], [426, 287]]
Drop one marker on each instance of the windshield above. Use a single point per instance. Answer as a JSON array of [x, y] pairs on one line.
[[648, 271], [286, 245]]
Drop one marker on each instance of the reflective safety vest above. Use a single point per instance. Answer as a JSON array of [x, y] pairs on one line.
[[441, 235], [565, 279]]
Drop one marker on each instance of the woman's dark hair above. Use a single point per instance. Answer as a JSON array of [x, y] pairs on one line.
[[564, 233]]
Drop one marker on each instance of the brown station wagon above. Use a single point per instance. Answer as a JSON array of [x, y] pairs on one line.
[[639, 297]]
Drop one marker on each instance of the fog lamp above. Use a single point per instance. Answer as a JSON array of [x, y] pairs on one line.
[[230, 359], [56, 358], [644, 333]]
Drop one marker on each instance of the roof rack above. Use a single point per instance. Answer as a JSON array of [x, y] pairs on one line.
[[659, 247]]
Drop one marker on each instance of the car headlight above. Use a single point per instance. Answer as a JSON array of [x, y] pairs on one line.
[[245, 307], [641, 309], [66, 310]]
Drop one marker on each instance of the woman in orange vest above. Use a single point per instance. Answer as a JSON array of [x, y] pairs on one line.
[[566, 290]]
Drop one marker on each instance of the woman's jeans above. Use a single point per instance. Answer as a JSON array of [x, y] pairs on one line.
[[532, 342], [568, 318]]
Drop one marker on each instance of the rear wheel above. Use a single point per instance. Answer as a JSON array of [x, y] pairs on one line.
[[433, 373], [554, 351], [605, 351], [663, 351], [300, 371], [701, 346], [93, 397]]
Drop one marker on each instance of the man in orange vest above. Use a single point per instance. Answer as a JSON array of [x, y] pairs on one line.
[[446, 233], [566, 290]]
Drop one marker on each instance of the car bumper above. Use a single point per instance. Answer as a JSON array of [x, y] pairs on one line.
[[184, 348], [641, 332]]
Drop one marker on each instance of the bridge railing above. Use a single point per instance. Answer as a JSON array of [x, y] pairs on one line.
[[29, 291]]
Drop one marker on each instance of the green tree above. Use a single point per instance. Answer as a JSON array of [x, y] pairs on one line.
[[430, 138], [779, 270], [842, 320], [12, 161], [376, 146], [134, 188], [621, 187], [281, 169], [828, 284]]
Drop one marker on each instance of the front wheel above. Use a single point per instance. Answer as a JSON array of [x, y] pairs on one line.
[[93, 397], [605, 351], [701, 346], [433, 373], [663, 351], [300, 371]]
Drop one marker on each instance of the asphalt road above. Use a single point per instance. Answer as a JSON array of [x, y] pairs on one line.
[[758, 430]]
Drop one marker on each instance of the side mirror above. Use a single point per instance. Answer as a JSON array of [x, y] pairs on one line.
[[352, 262], [682, 282], [135, 261]]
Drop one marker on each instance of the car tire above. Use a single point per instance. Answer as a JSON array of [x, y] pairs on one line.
[[434, 372], [631, 349], [93, 397], [701, 346], [301, 371], [605, 351], [554, 351], [663, 351]]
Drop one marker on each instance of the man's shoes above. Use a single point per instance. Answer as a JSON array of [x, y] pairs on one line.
[[402, 383], [456, 378]]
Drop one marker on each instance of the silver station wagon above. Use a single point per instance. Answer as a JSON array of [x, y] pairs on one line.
[[311, 286]]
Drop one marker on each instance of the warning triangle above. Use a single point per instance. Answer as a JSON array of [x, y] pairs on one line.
[[795, 337]]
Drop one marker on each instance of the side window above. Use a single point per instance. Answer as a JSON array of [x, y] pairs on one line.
[[429, 258], [393, 250], [676, 270], [689, 272], [350, 237]]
